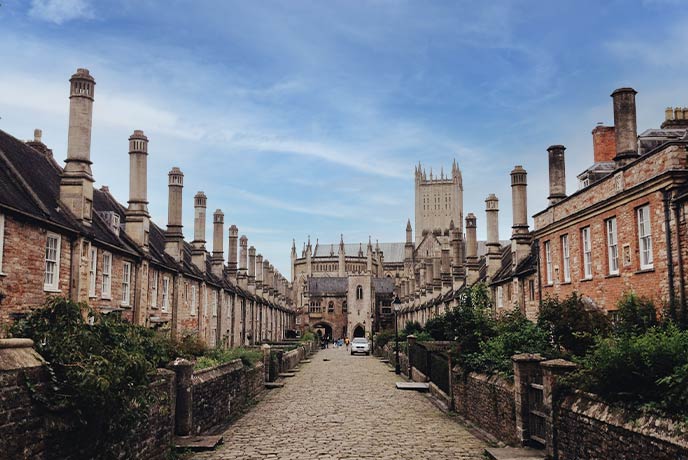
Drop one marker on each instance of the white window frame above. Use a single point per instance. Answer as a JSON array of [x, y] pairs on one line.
[[612, 246], [52, 265], [106, 291], [2, 239], [154, 289], [566, 258], [194, 299], [500, 294], [548, 262], [92, 271], [165, 293], [644, 237], [126, 283], [587, 253]]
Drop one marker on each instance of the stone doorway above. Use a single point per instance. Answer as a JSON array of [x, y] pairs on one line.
[[359, 331], [323, 330]]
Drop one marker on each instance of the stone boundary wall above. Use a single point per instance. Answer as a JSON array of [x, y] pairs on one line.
[[222, 393], [588, 428], [28, 431], [387, 352]]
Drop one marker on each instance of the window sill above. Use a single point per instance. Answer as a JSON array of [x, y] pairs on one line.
[[548, 285], [585, 280], [645, 270], [127, 306], [106, 297], [613, 275], [51, 289], [565, 283], [3, 274]]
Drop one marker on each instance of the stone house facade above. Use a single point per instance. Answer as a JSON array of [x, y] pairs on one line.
[[61, 236]]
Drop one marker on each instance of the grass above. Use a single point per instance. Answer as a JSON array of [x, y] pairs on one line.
[[224, 355]]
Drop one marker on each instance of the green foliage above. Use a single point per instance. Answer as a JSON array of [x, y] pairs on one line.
[[218, 356], [650, 369], [101, 373], [423, 336], [412, 327], [572, 325], [307, 336], [383, 337], [635, 315], [514, 334], [471, 322], [435, 327]]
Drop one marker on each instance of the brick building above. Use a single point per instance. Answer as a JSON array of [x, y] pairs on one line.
[[61, 236]]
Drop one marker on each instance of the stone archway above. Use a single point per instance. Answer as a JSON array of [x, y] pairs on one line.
[[359, 331], [323, 329]]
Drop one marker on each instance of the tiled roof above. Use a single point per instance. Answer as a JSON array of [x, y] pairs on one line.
[[383, 285], [327, 285]]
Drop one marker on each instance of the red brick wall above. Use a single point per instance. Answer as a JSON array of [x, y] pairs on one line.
[[23, 266], [604, 143]]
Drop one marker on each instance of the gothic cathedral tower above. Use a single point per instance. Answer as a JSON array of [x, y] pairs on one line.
[[439, 201]]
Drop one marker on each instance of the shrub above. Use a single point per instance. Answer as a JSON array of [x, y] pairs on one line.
[[412, 327], [635, 315], [435, 327], [572, 324], [307, 336], [383, 337], [219, 356], [514, 334], [649, 369], [471, 322], [100, 373]]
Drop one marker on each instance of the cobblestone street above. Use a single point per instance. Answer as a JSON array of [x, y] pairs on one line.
[[345, 408]]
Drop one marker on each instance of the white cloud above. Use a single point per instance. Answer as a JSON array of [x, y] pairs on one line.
[[60, 11]]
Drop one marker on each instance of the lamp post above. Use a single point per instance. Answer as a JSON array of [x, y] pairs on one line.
[[397, 307]]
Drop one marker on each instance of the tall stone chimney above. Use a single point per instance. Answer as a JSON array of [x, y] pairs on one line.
[[76, 183], [494, 255], [174, 238], [259, 271], [137, 223], [198, 253], [243, 253], [520, 235], [217, 261], [232, 252], [471, 249], [252, 269], [557, 174], [266, 277], [445, 268], [625, 125], [458, 270]]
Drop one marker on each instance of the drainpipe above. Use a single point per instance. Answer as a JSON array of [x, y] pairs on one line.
[[670, 258], [682, 288]]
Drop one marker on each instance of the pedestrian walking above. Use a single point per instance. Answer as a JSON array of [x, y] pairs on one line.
[[346, 341]]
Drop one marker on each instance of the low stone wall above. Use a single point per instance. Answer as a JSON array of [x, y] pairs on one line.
[[28, 431], [488, 402], [588, 428], [221, 393], [388, 352]]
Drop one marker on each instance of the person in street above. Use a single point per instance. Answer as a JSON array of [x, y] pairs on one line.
[[346, 341]]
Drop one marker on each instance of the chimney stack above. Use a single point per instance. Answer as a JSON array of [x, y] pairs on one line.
[[137, 223], [76, 184], [198, 253], [625, 125], [458, 270], [174, 238], [557, 174], [494, 255], [259, 271], [243, 253], [252, 268], [471, 249], [218, 258], [445, 267], [604, 143], [266, 277], [520, 235], [232, 252]]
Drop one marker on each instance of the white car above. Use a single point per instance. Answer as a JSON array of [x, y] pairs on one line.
[[360, 345]]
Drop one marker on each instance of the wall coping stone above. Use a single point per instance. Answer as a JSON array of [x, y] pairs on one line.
[[527, 357], [592, 407], [16, 343], [19, 354], [558, 364], [210, 373]]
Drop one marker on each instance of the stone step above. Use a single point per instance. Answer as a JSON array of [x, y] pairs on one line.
[[384, 360], [415, 386], [286, 374], [197, 443], [514, 453], [271, 385]]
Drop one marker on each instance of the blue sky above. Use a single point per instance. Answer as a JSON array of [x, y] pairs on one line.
[[307, 117]]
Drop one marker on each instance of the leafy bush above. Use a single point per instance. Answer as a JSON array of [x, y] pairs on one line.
[[423, 336], [219, 356], [635, 315], [435, 327], [471, 322], [383, 337], [307, 336], [514, 334], [649, 369], [412, 327], [101, 373], [572, 324]]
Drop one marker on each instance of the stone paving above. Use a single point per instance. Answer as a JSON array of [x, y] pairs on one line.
[[345, 408]]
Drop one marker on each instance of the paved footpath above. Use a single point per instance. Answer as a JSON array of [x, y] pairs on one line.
[[345, 408]]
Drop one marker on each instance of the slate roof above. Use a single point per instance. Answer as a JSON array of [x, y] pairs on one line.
[[383, 285], [327, 285], [525, 267]]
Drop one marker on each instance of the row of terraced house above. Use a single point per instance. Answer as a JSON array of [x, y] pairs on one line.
[[624, 230], [59, 235]]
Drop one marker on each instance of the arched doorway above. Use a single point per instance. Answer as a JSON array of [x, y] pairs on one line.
[[324, 330], [359, 331]]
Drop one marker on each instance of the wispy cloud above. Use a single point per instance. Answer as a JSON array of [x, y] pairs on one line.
[[61, 11]]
